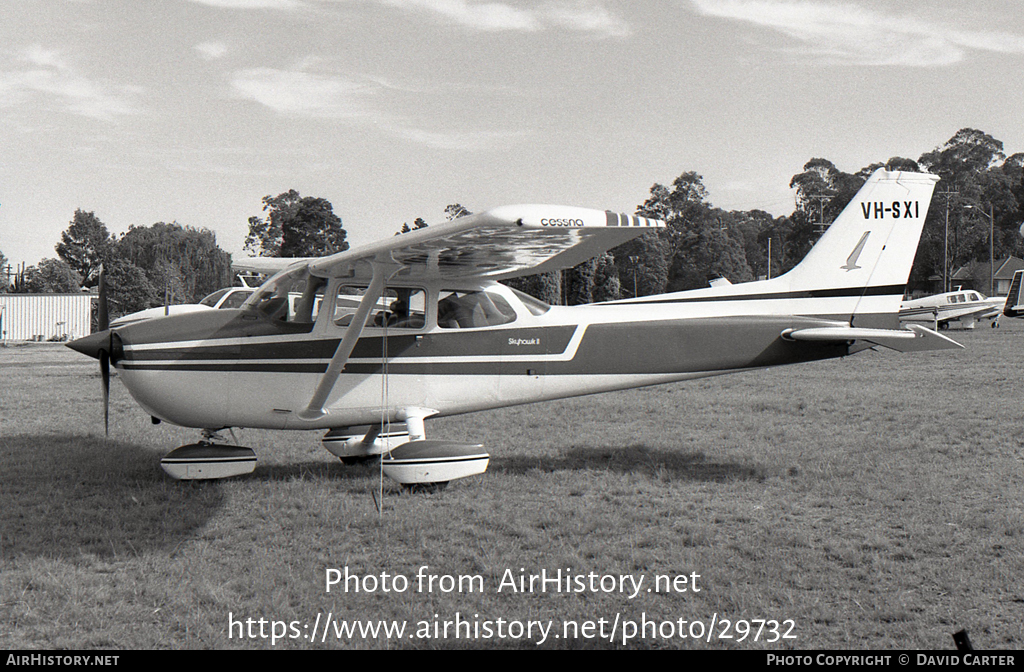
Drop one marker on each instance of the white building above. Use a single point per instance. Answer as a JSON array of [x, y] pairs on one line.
[[41, 317]]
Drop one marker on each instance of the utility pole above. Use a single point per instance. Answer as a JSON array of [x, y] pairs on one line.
[[821, 198], [945, 243], [991, 244]]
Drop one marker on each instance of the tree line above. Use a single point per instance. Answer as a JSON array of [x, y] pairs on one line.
[[981, 191], [145, 267]]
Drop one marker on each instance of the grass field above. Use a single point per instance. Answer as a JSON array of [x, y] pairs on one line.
[[871, 502]]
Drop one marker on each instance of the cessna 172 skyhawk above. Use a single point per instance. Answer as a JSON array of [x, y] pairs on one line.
[[423, 312]]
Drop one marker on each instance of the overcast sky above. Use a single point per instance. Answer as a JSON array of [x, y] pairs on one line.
[[194, 110]]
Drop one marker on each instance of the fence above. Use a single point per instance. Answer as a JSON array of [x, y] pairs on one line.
[[44, 317]]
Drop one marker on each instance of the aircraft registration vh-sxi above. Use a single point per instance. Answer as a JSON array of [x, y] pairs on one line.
[[370, 342]]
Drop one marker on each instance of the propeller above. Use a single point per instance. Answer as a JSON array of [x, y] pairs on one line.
[[104, 345], [104, 325]]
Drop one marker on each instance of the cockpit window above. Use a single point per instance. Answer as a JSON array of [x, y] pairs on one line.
[[291, 296], [466, 310], [398, 308]]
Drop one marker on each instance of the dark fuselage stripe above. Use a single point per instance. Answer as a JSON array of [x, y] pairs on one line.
[[887, 290], [606, 349]]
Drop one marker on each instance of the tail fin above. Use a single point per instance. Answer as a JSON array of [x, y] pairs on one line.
[[868, 250], [1014, 306]]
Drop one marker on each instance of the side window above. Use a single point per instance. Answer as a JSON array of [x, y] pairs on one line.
[[465, 310], [398, 308]]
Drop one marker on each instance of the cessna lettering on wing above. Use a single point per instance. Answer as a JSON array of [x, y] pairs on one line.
[[896, 209], [561, 222]]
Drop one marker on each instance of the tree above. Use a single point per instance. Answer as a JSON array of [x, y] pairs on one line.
[[456, 210], [579, 283], [84, 245], [966, 154], [295, 226], [128, 288], [643, 264], [52, 276], [4, 273], [700, 245], [964, 164], [183, 260], [418, 224], [607, 286], [545, 286]]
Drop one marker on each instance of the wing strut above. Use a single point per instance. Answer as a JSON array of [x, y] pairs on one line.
[[383, 269]]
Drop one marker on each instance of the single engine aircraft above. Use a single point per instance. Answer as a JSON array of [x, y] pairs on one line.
[[416, 326], [963, 308]]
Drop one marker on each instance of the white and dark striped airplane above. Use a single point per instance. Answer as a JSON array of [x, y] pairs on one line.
[[370, 342]]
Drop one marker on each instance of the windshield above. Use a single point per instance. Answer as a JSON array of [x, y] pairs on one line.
[[212, 299], [290, 296]]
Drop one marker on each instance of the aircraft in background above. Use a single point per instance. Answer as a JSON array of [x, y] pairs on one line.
[[1014, 306], [229, 297], [387, 335], [963, 308]]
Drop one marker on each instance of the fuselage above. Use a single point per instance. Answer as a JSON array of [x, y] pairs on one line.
[[253, 367]]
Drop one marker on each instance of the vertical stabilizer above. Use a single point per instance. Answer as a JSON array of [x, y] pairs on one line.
[[868, 250], [1014, 305]]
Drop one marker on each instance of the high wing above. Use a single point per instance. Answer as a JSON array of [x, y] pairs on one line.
[[505, 242], [501, 243]]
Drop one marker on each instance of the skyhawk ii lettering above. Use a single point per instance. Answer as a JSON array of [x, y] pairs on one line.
[[895, 210], [425, 316]]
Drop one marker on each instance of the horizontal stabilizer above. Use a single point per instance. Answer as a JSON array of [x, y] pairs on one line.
[[912, 339]]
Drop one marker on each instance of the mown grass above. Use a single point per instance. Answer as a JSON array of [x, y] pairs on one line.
[[875, 501]]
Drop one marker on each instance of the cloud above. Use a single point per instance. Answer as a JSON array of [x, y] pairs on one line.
[[251, 4], [301, 93], [455, 140], [45, 75], [306, 95], [850, 33], [580, 16], [583, 16], [211, 51]]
